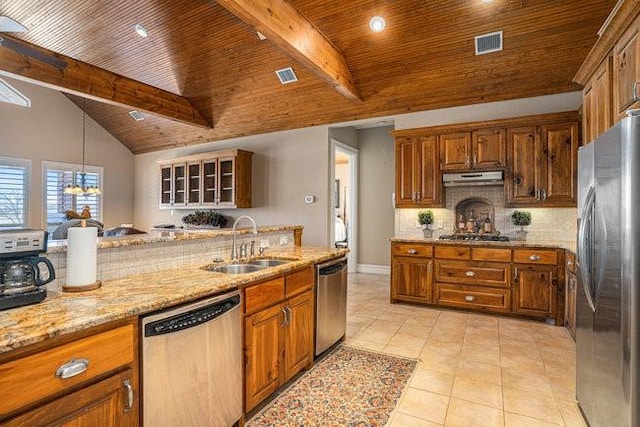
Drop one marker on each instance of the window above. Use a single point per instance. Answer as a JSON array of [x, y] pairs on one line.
[[14, 184], [56, 177]]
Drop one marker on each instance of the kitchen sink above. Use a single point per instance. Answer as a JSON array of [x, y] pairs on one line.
[[236, 268], [269, 262]]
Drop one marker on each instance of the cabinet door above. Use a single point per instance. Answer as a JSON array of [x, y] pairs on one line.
[[104, 404], [166, 186], [209, 182], [405, 172], [179, 185], [298, 334], [570, 303], [489, 149], [411, 279], [601, 100], [522, 181], [193, 184], [427, 167], [226, 182], [264, 341], [534, 290], [589, 118], [455, 151], [560, 157], [625, 71]]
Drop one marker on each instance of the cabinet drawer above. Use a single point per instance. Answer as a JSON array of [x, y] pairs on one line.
[[491, 254], [411, 249], [535, 256], [299, 282], [473, 273], [488, 299], [263, 295], [33, 377], [453, 252]]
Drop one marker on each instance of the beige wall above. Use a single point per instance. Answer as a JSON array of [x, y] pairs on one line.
[[286, 167], [376, 182], [51, 130]]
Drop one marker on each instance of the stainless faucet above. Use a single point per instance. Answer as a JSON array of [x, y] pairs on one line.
[[234, 250]]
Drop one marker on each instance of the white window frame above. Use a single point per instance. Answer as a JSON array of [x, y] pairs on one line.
[[26, 164], [75, 169]]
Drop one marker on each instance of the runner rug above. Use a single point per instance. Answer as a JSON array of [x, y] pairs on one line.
[[349, 387]]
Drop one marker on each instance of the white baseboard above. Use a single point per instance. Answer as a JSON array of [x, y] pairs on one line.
[[373, 269]]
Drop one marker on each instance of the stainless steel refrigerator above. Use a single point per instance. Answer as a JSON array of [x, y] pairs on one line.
[[608, 307]]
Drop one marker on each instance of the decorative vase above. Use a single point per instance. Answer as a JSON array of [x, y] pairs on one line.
[[521, 234], [427, 232]]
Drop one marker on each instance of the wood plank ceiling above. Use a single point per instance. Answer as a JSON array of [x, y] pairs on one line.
[[423, 60]]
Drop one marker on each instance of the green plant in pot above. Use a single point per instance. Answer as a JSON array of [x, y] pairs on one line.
[[425, 218], [205, 219], [521, 219]]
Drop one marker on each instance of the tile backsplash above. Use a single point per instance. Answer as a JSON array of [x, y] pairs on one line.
[[549, 225]]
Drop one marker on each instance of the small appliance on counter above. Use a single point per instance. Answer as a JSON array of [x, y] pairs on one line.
[[22, 271]]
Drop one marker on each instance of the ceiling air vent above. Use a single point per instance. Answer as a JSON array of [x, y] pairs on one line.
[[136, 115], [487, 43], [286, 75]]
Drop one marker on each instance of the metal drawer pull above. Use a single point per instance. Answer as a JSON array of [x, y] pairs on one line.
[[470, 298], [129, 388], [515, 275], [412, 251], [72, 368], [470, 273], [534, 257]]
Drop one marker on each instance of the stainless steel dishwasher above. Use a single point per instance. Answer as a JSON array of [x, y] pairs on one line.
[[192, 364], [331, 303]]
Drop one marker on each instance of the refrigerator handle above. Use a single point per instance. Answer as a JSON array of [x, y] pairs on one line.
[[583, 250]]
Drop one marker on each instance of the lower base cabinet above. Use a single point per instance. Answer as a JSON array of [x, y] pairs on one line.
[[534, 290], [412, 280], [278, 330]]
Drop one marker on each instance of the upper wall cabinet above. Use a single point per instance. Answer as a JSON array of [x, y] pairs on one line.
[[418, 177], [478, 150], [218, 179], [626, 72]]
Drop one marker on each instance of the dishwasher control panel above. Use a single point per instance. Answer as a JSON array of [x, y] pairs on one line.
[[190, 318]]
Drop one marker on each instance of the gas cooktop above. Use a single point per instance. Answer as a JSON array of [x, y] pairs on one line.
[[475, 237]]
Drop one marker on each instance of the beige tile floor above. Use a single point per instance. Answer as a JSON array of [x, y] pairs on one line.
[[473, 369]]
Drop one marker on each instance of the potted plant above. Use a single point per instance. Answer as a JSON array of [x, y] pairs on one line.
[[522, 219], [425, 218], [205, 219]]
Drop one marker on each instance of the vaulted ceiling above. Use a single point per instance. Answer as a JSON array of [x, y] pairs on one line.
[[208, 54]]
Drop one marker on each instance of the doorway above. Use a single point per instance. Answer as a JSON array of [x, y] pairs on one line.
[[343, 203]]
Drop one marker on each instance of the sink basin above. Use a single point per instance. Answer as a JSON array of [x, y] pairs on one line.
[[236, 268], [270, 262]]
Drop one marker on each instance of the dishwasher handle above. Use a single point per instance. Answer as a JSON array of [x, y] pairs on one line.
[[332, 267]]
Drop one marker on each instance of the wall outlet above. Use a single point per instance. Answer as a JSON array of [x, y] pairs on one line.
[[264, 243], [440, 224], [284, 240]]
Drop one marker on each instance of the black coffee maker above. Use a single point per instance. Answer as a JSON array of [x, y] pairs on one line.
[[22, 271]]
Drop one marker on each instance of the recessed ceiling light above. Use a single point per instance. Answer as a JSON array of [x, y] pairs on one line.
[[377, 24], [136, 115], [141, 30]]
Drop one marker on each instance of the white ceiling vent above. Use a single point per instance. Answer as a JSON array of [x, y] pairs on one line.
[[136, 115], [11, 95], [286, 75], [487, 43]]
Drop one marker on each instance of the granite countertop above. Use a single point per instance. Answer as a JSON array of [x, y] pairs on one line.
[[64, 313], [510, 244]]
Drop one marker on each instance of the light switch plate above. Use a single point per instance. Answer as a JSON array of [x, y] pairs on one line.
[[440, 224]]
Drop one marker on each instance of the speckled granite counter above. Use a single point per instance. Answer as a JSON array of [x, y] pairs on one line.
[[510, 244], [64, 313]]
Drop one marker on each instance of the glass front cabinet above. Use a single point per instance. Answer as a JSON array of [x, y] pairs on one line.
[[218, 179]]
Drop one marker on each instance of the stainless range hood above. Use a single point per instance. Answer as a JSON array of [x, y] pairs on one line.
[[472, 178]]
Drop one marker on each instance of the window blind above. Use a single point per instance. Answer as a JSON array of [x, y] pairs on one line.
[[13, 193]]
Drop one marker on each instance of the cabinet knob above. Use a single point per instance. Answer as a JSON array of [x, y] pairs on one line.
[[412, 251], [534, 257], [470, 273], [72, 368], [469, 298]]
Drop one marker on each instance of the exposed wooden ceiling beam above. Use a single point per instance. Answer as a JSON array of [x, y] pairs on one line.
[[289, 29], [28, 62]]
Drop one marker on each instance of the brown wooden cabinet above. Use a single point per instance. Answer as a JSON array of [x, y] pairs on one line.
[[626, 71], [103, 392], [418, 176], [534, 290], [411, 278], [219, 179], [278, 330], [480, 149], [596, 104], [543, 165]]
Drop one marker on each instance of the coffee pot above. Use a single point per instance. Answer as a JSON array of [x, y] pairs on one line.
[[22, 275]]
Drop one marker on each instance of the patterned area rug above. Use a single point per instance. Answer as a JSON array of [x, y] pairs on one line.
[[349, 387]]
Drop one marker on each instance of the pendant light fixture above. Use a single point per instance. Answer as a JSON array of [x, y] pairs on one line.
[[83, 189]]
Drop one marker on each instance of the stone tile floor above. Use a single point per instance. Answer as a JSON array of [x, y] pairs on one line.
[[473, 369]]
